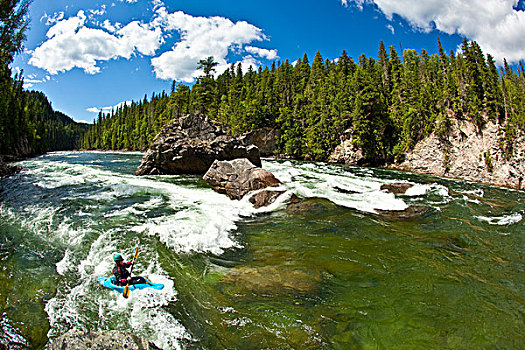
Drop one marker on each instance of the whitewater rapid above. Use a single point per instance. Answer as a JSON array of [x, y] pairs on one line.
[[89, 209]]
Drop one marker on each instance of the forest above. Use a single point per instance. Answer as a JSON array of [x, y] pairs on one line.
[[28, 124], [387, 104]]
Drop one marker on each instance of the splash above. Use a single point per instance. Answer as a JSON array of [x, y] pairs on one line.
[[502, 220]]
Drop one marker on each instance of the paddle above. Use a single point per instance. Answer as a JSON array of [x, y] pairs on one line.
[[125, 293]]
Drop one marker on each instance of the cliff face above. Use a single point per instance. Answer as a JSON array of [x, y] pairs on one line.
[[470, 154]]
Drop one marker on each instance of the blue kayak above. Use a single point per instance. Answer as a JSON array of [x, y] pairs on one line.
[[109, 282]]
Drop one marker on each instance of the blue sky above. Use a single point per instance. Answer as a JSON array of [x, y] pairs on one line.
[[91, 55]]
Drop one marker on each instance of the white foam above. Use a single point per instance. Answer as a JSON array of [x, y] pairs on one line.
[[63, 266], [202, 219], [341, 187], [418, 190], [477, 192], [467, 199], [143, 311], [502, 220]]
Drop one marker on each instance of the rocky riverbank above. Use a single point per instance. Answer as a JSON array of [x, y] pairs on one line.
[[192, 143], [467, 153], [7, 169]]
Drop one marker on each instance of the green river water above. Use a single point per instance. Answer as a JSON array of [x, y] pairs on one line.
[[329, 273]]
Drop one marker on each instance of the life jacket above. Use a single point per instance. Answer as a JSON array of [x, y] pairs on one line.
[[121, 273]]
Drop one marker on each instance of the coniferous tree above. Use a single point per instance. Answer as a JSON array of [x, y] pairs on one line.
[[388, 104]]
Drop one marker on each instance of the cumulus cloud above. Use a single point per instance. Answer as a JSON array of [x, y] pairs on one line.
[[72, 44], [268, 54], [50, 20], [497, 25], [110, 27], [82, 42], [200, 37], [108, 109], [138, 36], [99, 12]]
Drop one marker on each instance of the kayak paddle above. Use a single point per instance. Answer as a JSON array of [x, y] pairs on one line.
[[125, 293]]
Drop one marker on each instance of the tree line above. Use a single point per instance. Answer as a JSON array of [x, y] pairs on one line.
[[28, 123], [387, 104]]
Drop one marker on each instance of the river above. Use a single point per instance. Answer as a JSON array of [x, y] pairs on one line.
[[329, 273]]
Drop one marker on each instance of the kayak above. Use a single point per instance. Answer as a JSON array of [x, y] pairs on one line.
[[109, 282]]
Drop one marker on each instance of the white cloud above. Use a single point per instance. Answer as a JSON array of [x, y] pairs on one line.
[[82, 42], [268, 54], [50, 20], [93, 110], [99, 12], [139, 36], [391, 28], [108, 109], [32, 79], [67, 25], [200, 37], [71, 44], [111, 27], [494, 24]]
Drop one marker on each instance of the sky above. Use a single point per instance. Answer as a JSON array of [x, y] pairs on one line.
[[89, 56]]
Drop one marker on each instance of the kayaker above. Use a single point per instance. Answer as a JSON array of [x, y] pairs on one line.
[[121, 273]]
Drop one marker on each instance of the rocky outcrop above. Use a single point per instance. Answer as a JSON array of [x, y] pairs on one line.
[[347, 152], [397, 187], [238, 177], [190, 145], [105, 340], [7, 169], [469, 154], [265, 139]]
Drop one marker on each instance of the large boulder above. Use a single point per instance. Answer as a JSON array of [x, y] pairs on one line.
[[190, 145], [238, 177], [105, 340]]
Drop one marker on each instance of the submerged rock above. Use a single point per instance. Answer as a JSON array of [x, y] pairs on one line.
[[313, 206], [105, 340], [238, 177], [271, 280], [190, 145], [414, 211], [396, 187]]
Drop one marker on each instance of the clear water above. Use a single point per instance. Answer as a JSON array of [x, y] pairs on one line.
[[328, 274]]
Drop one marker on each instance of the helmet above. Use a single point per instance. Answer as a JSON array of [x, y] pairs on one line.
[[117, 257]]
